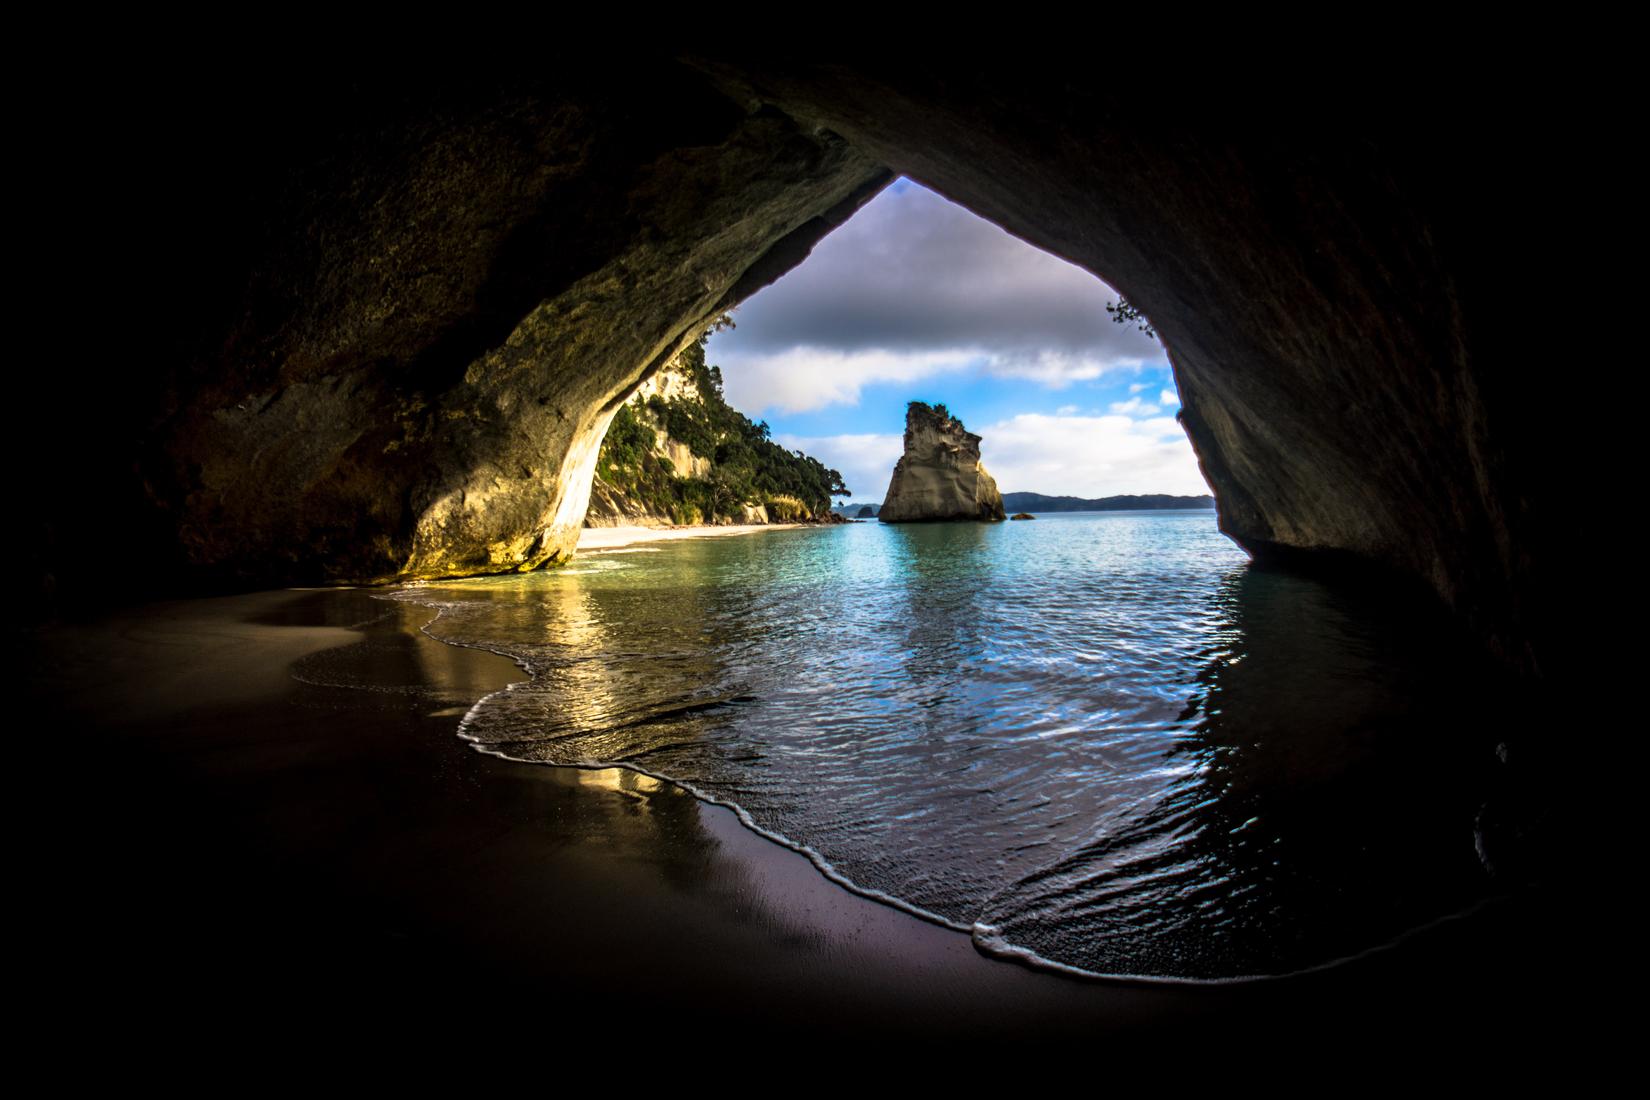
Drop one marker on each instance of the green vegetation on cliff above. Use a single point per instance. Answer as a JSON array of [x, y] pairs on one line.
[[747, 468]]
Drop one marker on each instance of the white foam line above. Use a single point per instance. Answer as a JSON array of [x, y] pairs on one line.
[[985, 937], [1025, 955]]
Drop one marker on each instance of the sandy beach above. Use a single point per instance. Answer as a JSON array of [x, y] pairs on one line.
[[261, 814], [612, 538]]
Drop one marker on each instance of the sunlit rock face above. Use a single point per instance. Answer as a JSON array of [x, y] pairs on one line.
[[438, 310], [609, 505], [940, 476], [372, 328]]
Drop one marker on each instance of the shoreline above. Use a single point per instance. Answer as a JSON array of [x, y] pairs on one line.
[[283, 770], [596, 539]]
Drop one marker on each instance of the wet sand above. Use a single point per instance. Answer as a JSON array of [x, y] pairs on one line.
[[260, 820]]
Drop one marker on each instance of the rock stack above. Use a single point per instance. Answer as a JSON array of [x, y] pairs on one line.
[[939, 477]]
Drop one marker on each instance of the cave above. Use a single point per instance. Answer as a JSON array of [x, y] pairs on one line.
[[367, 324], [372, 330]]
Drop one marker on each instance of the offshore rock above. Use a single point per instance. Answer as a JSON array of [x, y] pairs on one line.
[[939, 477]]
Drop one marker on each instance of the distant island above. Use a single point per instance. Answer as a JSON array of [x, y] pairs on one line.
[[1037, 502]]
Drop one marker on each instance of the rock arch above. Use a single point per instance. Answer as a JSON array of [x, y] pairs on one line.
[[397, 318]]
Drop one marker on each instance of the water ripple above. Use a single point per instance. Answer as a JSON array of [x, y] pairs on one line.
[[1101, 741]]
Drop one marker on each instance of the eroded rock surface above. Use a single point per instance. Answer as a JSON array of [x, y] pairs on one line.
[[426, 317], [366, 328], [940, 476]]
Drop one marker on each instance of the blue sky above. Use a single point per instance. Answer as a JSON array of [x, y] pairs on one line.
[[915, 298]]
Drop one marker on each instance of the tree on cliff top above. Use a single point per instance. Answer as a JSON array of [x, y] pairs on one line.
[[938, 410]]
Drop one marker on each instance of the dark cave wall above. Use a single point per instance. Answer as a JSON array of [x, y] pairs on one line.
[[1330, 272], [373, 329], [409, 316]]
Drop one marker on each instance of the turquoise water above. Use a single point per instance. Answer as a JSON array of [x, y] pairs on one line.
[[1101, 741]]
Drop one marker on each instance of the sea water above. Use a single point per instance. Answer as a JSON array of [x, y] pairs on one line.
[[1103, 742]]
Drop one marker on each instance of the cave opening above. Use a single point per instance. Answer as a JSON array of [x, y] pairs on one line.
[[1175, 760], [914, 298], [406, 325], [381, 343]]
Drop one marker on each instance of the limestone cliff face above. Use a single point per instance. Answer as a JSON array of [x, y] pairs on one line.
[[611, 505], [939, 477], [673, 383]]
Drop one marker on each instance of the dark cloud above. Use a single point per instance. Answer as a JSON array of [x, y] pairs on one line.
[[913, 272]]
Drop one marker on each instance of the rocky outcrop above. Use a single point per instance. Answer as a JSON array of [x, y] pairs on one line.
[[611, 506], [370, 326], [939, 477]]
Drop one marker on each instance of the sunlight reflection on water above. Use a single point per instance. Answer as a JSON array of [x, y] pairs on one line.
[[1102, 739]]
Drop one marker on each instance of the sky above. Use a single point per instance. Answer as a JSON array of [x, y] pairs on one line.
[[917, 299]]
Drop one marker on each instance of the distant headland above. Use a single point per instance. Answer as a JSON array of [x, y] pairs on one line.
[[1037, 502]]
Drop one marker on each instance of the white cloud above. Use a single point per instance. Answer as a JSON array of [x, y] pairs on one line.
[[1134, 407], [910, 286], [803, 379], [1066, 410], [1090, 456], [865, 461], [1054, 369], [1168, 397]]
